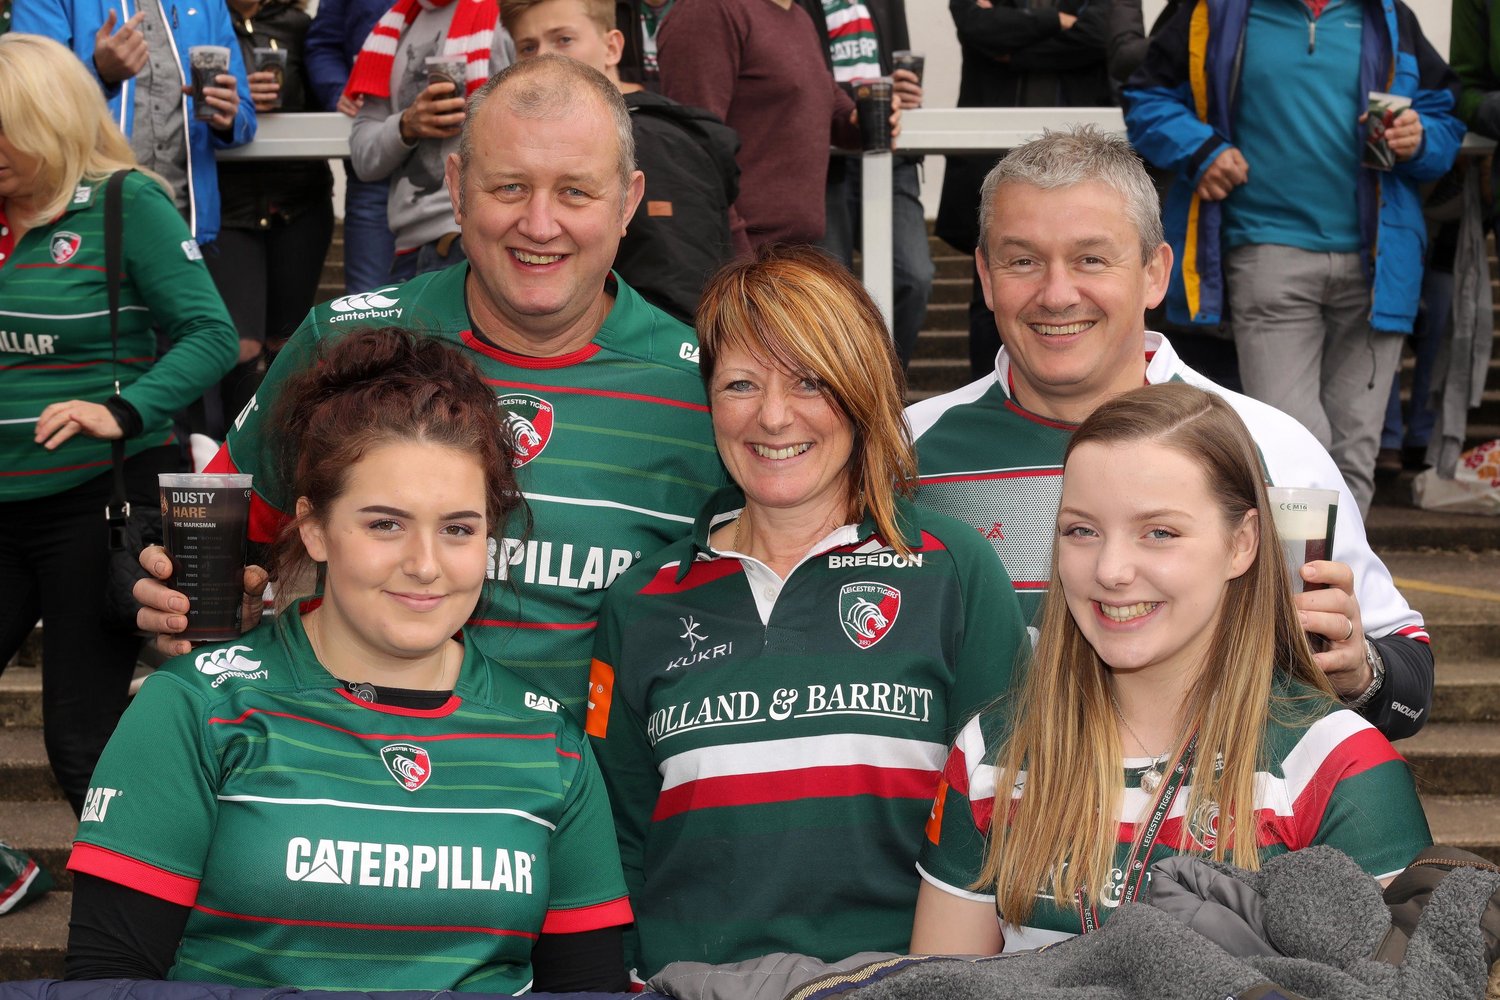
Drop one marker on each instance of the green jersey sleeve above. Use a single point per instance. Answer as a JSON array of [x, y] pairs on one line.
[[158, 764], [588, 890], [166, 267]]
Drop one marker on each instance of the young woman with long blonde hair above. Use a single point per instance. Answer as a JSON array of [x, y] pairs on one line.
[[1172, 705]]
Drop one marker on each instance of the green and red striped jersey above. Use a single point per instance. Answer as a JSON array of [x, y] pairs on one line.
[[1332, 779], [327, 843], [54, 331], [615, 453], [771, 747]]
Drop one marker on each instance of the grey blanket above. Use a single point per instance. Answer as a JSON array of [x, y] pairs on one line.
[[1319, 916]]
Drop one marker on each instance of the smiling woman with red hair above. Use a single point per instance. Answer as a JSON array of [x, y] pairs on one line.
[[771, 697]]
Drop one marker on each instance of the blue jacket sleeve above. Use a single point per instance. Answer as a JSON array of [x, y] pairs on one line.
[[1435, 100], [63, 21], [1159, 116], [327, 69]]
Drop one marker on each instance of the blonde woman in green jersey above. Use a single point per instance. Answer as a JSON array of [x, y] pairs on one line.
[[67, 393]]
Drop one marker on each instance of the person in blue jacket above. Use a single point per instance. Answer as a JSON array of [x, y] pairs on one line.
[[139, 53], [338, 32], [1274, 220]]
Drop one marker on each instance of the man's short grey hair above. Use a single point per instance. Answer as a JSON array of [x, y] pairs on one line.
[[552, 87], [1074, 156]]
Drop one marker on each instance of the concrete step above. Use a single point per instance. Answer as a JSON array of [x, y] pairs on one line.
[[935, 375], [1392, 526], [24, 773], [942, 345], [1466, 691], [21, 697], [1456, 593], [1455, 758], [33, 940], [1470, 822], [30, 653], [44, 830], [952, 290]]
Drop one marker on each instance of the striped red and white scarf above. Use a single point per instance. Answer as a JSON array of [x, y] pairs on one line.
[[470, 35]]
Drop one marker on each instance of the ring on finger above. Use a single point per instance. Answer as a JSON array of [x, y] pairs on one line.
[[1350, 633]]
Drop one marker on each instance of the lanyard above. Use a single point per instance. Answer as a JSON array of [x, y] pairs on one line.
[[1135, 867]]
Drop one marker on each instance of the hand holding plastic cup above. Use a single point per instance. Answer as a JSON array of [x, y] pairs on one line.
[[1305, 520], [273, 61], [872, 102], [447, 69], [206, 63], [204, 518], [908, 60]]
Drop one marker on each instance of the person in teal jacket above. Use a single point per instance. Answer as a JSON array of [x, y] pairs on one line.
[[155, 35], [1271, 211]]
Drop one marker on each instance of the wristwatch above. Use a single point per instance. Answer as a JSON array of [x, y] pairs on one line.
[[1377, 677]]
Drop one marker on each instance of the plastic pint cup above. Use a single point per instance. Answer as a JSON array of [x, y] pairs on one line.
[[206, 63], [204, 518], [1304, 519], [872, 99], [447, 69], [272, 61]]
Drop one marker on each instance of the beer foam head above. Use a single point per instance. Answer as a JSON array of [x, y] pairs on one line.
[[1296, 520]]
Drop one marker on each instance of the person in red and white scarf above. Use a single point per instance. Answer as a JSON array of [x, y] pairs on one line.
[[406, 126]]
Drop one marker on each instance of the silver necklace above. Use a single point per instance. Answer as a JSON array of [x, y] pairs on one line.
[[1151, 777]]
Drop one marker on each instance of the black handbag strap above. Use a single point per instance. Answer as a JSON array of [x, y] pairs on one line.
[[118, 509]]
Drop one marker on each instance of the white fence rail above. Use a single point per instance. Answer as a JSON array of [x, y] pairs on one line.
[[929, 130]]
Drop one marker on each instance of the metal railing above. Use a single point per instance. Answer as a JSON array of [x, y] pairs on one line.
[[325, 135]]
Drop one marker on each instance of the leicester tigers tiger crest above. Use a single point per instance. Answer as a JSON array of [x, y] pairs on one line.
[[867, 611], [528, 421]]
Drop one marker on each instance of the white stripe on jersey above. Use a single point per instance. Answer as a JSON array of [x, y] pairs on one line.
[[921, 416], [372, 807], [854, 12], [771, 756], [1275, 794], [586, 502], [92, 315]]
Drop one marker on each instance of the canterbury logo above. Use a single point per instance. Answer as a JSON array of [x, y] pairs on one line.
[[866, 619], [365, 300], [223, 661]]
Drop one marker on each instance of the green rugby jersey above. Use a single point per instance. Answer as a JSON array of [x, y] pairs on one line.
[[54, 331], [1328, 779], [326, 843], [770, 776], [615, 453]]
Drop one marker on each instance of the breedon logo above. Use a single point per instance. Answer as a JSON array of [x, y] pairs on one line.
[[409, 765], [868, 611]]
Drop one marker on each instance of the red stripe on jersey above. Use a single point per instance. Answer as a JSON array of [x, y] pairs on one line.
[[605, 393], [977, 477], [1036, 419], [568, 753], [19, 883], [349, 925], [1364, 750], [588, 918], [73, 468], [525, 361], [836, 781], [447, 708], [266, 521], [247, 713], [665, 581], [855, 26], [52, 267], [77, 364], [1416, 632], [956, 771], [502, 623], [115, 867], [59, 468]]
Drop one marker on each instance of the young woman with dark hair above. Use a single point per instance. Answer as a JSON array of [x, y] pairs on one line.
[[359, 798]]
